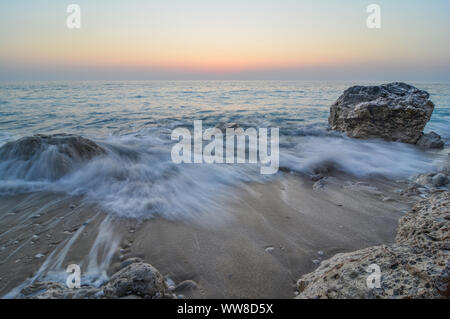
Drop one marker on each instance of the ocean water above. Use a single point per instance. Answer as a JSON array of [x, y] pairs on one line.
[[133, 121]]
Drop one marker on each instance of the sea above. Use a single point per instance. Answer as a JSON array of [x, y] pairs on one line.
[[133, 121]]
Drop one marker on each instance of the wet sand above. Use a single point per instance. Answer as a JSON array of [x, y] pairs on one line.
[[265, 238]]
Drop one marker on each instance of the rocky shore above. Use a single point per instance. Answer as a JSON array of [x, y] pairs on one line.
[[416, 266], [269, 235]]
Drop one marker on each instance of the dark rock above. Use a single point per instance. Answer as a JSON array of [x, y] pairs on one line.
[[317, 177], [394, 112], [47, 156], [138, 279], [439, 180], [430, 141]]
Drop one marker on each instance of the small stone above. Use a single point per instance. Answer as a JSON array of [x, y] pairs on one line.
[[269, 249], [439, 180], [170, 284], [316, 261], [186, 285]]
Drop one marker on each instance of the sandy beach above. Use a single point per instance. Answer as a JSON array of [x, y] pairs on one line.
[[269, 235]]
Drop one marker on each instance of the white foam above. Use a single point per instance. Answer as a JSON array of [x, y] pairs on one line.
[[137, 178]]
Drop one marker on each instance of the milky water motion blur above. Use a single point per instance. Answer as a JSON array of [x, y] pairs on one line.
[[133, 122]]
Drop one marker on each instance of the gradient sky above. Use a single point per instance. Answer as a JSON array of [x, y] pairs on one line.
[[225, 39]]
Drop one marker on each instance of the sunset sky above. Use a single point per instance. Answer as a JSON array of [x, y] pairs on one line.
[[225, 39]]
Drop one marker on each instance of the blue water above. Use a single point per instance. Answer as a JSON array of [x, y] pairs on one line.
[[138, 117]]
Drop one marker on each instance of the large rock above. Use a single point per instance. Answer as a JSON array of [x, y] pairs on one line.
[[45, 156], [138, 279], [73, 146], [394, 112], [416, 266]]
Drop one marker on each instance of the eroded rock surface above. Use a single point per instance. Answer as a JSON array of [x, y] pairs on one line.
[[416, 266], [138, 279], [394, 112], [430, 141]]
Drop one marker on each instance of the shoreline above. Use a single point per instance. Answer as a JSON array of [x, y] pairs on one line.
[[258, 247], [416, 266]]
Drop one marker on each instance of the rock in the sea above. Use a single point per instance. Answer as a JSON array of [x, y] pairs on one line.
[[394, 112], [47, 156], [439, 180], [73, 146], [416, 266], [138, 279], [430, 141]]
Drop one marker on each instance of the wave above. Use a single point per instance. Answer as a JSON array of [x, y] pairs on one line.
[[363, 158], [135, 178]]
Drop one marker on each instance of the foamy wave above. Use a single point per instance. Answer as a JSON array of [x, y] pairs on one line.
[[136, 178], [358, 157]]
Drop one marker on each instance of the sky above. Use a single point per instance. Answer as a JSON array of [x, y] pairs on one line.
[[225, 39]]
